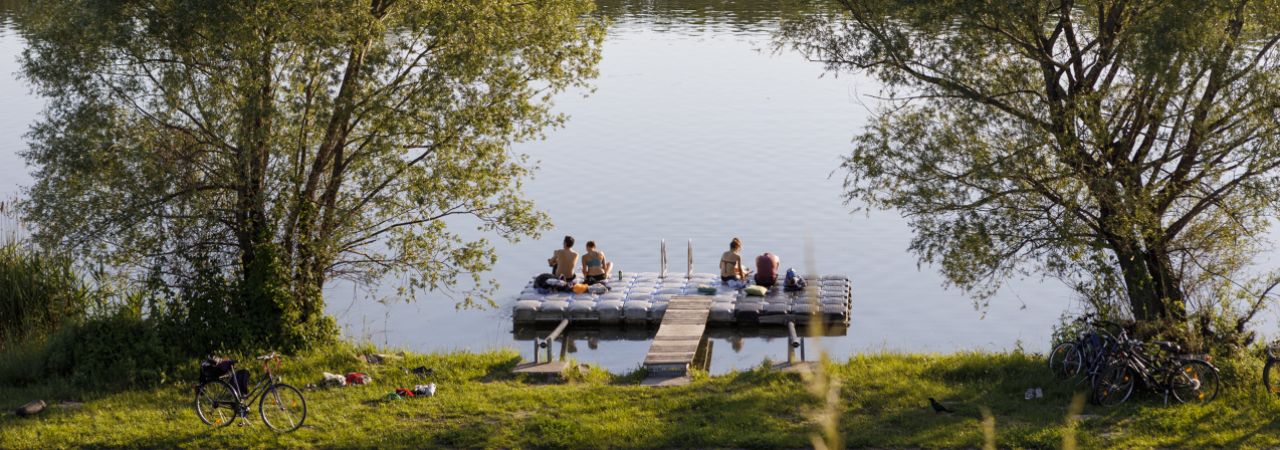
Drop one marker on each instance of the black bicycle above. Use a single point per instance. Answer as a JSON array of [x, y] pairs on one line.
[[1188, 379], [1086, 355], [220, 401], [1271, 371]]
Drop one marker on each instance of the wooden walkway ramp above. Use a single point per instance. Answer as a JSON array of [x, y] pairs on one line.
[[678, 339]]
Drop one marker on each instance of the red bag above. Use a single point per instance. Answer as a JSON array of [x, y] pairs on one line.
[[357, 378]]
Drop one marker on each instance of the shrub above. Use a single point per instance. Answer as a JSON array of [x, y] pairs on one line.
[[120, 349], [216, 312], [23, 363]]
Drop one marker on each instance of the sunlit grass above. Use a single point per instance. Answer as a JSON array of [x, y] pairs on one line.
[[480, 403]]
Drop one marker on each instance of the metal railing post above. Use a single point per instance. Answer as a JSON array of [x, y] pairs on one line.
[[546, 343], [793, 342]]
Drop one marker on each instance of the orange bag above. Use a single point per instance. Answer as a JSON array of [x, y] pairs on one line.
[[579, 288]]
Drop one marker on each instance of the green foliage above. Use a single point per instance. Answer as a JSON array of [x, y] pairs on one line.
[[199, 317], [265, 314], [40, 293], [1128, 149], [279, 145], [207, 315], [24, 363], [114, 350]]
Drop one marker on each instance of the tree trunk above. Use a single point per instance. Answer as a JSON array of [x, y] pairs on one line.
[[1166, 283], [309, 230], [253, 156], [1144, 302]]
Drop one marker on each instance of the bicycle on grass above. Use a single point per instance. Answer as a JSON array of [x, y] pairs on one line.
[[220, 401], [1189, 379], [1271, 371], [1088, 354]]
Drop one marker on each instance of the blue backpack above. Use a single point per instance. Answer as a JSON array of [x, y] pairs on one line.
[[794, 282]]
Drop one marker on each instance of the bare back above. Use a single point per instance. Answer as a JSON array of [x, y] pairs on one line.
[[730, 264], [565, 260]]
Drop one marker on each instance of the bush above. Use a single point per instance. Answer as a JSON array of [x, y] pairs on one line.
[[23, 363], [54, 325], [210, 313], [116, 350], [272, 317]]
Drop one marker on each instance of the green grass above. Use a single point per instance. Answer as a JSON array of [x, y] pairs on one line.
[[480, 403]]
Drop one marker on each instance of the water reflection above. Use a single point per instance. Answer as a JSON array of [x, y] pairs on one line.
[[599, 333], [693, 16]]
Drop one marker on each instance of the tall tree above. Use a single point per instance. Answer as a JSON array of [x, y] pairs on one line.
[[1128, 146], [313, 138]]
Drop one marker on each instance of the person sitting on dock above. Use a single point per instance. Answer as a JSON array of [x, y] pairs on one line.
[[563, 261], [767, 269], [731, 264], [594, 267]]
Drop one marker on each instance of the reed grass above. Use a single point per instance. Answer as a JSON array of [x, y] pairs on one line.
[[40, 293]]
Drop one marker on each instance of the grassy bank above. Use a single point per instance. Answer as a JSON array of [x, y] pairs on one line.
[[480, 403]]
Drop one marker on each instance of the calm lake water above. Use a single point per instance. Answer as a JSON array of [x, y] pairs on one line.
[[696, 130]]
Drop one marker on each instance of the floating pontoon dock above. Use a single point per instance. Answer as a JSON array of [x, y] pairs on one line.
[[639, 300], [643, 298]]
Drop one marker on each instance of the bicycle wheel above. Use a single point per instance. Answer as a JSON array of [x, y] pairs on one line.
[[1271, 376], [1194, 382], [216, 403], [1114, 386], [1065, 360], [283, 408]]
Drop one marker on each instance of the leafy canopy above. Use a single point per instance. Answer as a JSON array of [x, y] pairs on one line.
[[350, 138], [1127, 147]]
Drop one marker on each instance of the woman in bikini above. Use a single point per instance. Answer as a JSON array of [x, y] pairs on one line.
[[594, 267]]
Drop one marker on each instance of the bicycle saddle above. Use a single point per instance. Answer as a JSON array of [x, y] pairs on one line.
[[1168, 346]]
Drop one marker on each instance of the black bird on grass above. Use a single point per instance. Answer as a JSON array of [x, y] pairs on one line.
[[421, 371], [938, 407]]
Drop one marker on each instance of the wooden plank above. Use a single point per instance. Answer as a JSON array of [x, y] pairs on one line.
[[679, 335], [672, 358], [690, 313], [683, 330], [668, 348], [684, 321], [688, 307], [677, 316], [669, 358]]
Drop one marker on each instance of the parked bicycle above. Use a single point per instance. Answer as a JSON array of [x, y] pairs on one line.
[[222, 396], [1086, 355], [1271, 371], [1188, 379]]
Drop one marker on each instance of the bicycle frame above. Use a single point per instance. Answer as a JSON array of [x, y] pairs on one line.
[[258, 390], [1156, 375]]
